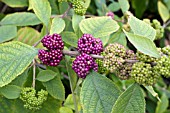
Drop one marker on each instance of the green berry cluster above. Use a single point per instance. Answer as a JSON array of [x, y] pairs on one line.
[[144, 74], [157, 26], [163, 66], [32, 100], [144, 58], [78, 7], [166, 50], [101, 68], [62, 0], [113, 54], [124, 71]]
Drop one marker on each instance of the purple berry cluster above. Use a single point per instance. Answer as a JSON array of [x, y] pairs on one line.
[[83, 64], [90, 45], [53, 42], [111, 14], [53, 55]]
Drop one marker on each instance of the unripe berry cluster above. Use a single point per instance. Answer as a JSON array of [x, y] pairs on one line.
[[78, 7], [53, 55], [101, 68], [166, 50], [144, 74], [32, 100], [83, 64], [157, 26], [145, 58], [163, 66], [113, 56], [90, 45]]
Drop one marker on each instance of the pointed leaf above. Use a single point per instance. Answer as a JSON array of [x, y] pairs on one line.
[[130, 101], [20, 19], [163, 104], [10, 91], [141, 28], [46, 75], [7, 33], [15, 57], [163, 11], [152, 91], [99, 26], [143, 44], [124, 5], [55, 88], [42, 9], [58, 25], [98, 94]]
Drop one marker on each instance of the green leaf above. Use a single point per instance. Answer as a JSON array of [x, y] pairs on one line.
[[75, 23], [98, 94], [100, 3], [163, 11], [7, 33], [124, 5], [10, 91], [105, 39], [130, 101], [16, 3], [99, 26], [141, 28], [143, 44], [118, 37], [152, 91], [15, 57], [20, 19], [163, 104], [42, 9], [139, 7], [55, 88], [58, 25], [70, 38], [70, 103], [45, 75], [28, 36], [65, 110], [114, 6]]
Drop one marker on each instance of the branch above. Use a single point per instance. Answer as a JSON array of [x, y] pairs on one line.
[[166, 24], [34, 72]]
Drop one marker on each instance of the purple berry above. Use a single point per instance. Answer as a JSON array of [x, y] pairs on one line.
[[90, 45], [83, 64], [53, 42], [111, 14], [50, 58]]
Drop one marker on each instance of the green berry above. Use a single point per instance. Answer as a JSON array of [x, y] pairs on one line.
[[144, 74], [166, 50], [31, 100], [78, 7], [145, 58]]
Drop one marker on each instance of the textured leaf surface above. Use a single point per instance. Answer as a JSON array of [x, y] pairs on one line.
[[58, 25], [16, 3], [98, 94], [70, 38], [163, 11], [124, 5], [143, 44], [99, 26], [65, 110], [20, 19], [163, 104], [75, 23], [7, 33], [130, 101], [45, 75], [10, 91], [28, 36], [55, 88], [15, 57], [42, 9], [141, 28]]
